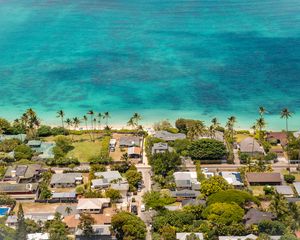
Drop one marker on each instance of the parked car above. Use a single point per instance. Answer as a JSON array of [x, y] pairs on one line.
[[143, 208], [134, 209]]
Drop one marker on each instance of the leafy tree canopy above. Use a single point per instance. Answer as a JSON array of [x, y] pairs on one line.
[[157, 200], [224, 213], [23, 152], [213, 185], [207, 149]]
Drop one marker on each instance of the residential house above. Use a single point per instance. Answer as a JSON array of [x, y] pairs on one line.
[[64, 196], [20, 191], [233, 178], [277, 137], [121, 187], [297, 188], [66, 180], [23, 173], [250, 146], [130, 141], [134, 152], [261, 178], [34, 144], [12, 221], [184, 235], [286, 191], [38, 236], [185, 193], [219, 136], [106, 178], [72, 220], [20, 137], [92, 205], [255, 216], [186, 180], [161, 147], [100, 232], [168, 137], [248, 237], [192, 202]]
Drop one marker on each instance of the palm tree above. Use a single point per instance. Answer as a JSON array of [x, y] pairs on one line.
[[196, 130], [100, 116], [32, 122], [285, 113], [68, 210], [131, 122], [215, 123], [76, 122], [230, 125], [253, 127], [137, 117], [260, 123], [85, 119], [106, 117], [61, 114], [262, 111]]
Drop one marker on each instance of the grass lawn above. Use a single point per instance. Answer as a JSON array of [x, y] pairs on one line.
[[74, 137], [85, 150], [257, 190], [240, 137]]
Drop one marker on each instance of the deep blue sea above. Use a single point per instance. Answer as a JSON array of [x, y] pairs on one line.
[[161, 58]]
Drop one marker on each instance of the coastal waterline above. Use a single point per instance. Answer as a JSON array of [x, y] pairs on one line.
[[162, 59]]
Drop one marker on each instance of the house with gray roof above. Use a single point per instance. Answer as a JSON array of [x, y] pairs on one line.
[[21, 137], [109, 175], [20, 191], [130, 141], [284, 190], [255, 216], [23, 173], [65, 180], [64, 196], [185, 193], [250, 237], [251, 146], [110, 179], [99, 232], [233, 178], [219, 136], [34, 143], [186, 180], [121, 187], [161, 147], [12, 221], [297, 188], [167, 136], [184, 235]]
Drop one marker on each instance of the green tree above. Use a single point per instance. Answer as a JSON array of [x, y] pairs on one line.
[[133, 177], [230, 126], [21, 233], [224, 213], [156, 200], [68, 210], [289, 178], [286, 114], [61, 115], [113, 194], [44, 131], [273, 228], [242, 198], [128, 226], [167, 232], [106, 116], [4, 125], [76, 122], [163, 163], [200, 174], [192, 236], [9, 145], [207, 149], [279, 206], [23, 152], [32, 226], [86, 222], [288, 237], [213, 185], [57, 229], [91, 113]]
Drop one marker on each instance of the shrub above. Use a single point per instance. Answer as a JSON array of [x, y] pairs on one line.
[[213, 185], [289, 178], [9, 145], [273, 228], [244, 157]]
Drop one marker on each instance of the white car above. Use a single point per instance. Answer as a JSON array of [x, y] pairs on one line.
[[143, 208]]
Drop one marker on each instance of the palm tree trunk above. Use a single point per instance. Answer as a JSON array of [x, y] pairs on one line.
[[287, 138], [62, 124]]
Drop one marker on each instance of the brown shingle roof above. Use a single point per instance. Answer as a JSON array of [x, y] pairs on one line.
[[263, 177]]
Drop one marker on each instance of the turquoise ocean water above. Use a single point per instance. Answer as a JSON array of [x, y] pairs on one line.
[[163, 59]]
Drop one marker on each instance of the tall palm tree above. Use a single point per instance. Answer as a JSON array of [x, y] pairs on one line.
[[69, 123], [76, 122], [285, 113], [32, 122], [196, 130], [260, 123], [131, 122], [106, 117], [91, 113], [253, 127], [61, 115], [85, 119], [262, 111], [230, 125], [137, 117], [215, 123], [100, 116]]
